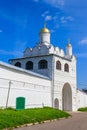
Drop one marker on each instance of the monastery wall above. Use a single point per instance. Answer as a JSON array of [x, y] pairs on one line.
[[20, 83], [81, 99]]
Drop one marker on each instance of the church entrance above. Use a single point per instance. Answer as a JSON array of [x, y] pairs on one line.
[[67, 97], [56, 103]]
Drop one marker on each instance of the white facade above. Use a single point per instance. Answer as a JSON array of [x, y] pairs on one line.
[[47, 76], [20, 83], [81, 99]]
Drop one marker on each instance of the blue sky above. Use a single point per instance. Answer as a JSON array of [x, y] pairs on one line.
[[21, 21]]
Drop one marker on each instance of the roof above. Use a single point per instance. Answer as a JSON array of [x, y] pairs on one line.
[[65, 58], [44, 30], [22, 70]]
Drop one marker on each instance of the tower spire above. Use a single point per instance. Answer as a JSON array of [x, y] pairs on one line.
[[44, 24], [68, 40], [69, 48], [69, 43]]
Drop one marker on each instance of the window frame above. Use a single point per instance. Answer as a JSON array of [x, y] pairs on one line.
[[18, 64], [43, 64], [29, 65], [58, 65], [66, 67]]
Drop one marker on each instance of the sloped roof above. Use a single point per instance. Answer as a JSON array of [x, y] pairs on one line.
[[22, 70]]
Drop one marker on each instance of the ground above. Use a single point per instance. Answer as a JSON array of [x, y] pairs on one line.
[[78, 121]]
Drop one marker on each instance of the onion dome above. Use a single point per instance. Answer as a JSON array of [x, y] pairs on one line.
[[45, 30], [69, 44]]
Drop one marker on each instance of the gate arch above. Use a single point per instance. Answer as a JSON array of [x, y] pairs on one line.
[[67, 97]]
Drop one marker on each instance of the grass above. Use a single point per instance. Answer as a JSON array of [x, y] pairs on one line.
[[10, 118], [83, 109]]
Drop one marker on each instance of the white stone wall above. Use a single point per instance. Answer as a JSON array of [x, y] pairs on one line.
[[81, 99], [35, 88]]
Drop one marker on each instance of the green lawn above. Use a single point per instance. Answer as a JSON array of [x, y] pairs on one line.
[[12, 118], [83, 109]]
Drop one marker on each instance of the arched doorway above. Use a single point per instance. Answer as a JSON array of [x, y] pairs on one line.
[[56, 103], [67, 97]]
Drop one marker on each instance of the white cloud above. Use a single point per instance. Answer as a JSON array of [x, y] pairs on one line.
[[64, 19], [48, 18], [45, 13], [54, 18], [70, 18], [55, 3], [83, 41]]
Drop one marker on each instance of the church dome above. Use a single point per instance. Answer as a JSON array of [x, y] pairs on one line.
[[69, 45], [44, 30]]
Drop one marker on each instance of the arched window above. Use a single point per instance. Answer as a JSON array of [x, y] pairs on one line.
[[66, 67], [43, 64], [18, 64], [58, 65], [56, 103], [29, 65]]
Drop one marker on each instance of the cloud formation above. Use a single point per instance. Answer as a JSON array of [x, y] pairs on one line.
[[55, 3], [66, 19], [48, 18], [83, 41], [45, 13]]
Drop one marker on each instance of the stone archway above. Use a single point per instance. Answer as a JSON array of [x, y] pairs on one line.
[[56, 103], [67, 98]]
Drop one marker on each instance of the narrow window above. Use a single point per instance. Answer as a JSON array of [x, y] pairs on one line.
[[29, 65], [66, 67], [18, 64], [43, 64], [58, 65]]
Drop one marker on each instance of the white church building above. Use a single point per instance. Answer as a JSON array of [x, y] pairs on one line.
[[44, 76]]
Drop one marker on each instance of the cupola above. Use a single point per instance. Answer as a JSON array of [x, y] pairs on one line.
[[69, 48], [45, 35]]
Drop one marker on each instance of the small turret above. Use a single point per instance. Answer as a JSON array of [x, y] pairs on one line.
[[69, 49], [45, 35]]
